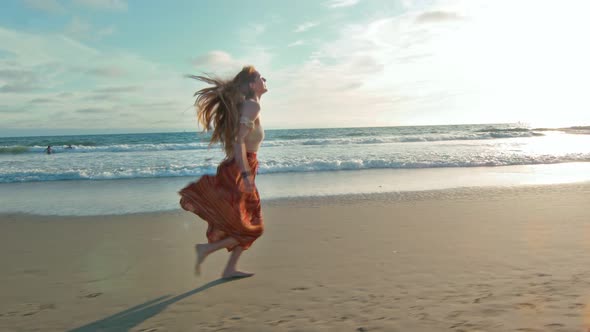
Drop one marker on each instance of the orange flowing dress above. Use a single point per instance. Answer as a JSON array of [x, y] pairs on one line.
[[222, 202]]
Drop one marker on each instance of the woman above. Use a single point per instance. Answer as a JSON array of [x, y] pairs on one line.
[[229, 201]]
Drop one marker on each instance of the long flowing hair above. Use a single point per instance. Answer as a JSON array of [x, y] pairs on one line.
[[218, 105]]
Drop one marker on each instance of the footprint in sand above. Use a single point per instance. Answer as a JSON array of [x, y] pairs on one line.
[[526, 306], [36, 272], [455, 314], [29, 309], [41, 308], [577, 306], [464, 326], [278, 322], [482, 298], [420, 315], [299, 288], [554, 325], [461, 323], [47, 306], [481, 285], [492, 312]]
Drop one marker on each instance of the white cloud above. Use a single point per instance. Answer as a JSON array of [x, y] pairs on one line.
[[80, 29], [112, 5], [106, 31], [107, 71], [317, 94], [19, 80], [258, 28], [42, 100], [296, 43], [225, 65], [118, 89], [217, 62], [407, 3], [342, 3], [437, 16], [92, 111], [305, 26], [48, 6]]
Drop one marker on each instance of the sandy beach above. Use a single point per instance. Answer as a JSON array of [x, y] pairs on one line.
[[485, 259]]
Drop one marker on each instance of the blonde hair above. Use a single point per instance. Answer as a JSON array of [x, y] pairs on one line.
[[218, 105]]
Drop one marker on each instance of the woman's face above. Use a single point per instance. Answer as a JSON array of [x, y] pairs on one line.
[[259, 84]]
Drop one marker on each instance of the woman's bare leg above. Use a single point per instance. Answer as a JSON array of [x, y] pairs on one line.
[[204, 249], [230, 270]]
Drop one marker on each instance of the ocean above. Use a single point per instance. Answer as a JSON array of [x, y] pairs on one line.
[[163, 161]]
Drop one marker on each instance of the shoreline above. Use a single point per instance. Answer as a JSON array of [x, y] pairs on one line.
[[458, 193], [119, 197]]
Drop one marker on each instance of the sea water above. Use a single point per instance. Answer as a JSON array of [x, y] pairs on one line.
[[126, 173]]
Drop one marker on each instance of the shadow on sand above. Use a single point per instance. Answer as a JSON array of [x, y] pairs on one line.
[[127, 319]]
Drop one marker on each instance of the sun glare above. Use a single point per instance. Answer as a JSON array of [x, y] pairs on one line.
[[526, 60]]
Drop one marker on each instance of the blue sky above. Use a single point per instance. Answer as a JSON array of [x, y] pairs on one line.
[[100, 66]]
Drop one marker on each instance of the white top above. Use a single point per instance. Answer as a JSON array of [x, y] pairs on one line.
[[255, 136]]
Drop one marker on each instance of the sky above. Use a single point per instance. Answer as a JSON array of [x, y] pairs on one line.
[[116, 66]]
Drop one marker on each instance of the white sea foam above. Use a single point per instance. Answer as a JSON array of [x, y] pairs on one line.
[[275, 165]]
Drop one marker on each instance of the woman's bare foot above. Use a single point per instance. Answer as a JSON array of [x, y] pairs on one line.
[[236, 274], [202, 253]]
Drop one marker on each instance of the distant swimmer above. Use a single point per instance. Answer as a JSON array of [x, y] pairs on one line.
[[48, 150], [69, 146]]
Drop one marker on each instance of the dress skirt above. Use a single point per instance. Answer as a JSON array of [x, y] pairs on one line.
[[222, 202]]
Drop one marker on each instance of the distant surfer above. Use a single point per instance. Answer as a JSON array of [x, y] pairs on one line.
[[69, 146], [48, 150]]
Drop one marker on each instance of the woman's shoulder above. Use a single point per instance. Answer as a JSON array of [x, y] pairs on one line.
[[250, 108], [251, 104]]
